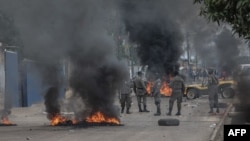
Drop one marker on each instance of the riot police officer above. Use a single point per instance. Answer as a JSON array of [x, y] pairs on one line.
[[125, 96], [156, 93], [178, 88], [212, 89], [141, 92]]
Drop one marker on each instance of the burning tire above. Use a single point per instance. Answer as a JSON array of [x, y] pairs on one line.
[[191, 94], [227, 93], [168, 122]]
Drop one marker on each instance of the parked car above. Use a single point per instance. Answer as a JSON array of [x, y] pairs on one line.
[[225, 87]]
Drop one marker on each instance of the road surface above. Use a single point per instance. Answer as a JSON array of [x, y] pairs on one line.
[[195, 125]]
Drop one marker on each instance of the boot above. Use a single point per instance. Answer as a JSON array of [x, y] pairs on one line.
[[170, 108], [211, 105], [169, 114], [178, 114], [179, 109], [217, 110], [122, 110], [139, 106], [145, 109], [158, 113], [127, 112]]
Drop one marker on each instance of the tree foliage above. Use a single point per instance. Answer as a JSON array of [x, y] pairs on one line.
[[234, 12]]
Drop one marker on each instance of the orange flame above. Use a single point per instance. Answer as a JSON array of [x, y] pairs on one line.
[[58, 119], [5, 121], [98, 117], [165, 89], [149, 87]]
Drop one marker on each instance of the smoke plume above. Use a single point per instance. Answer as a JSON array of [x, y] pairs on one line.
[[156, 33], [227, 48], [75, 30]]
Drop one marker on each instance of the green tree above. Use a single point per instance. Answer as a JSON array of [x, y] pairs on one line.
[[234, 12]]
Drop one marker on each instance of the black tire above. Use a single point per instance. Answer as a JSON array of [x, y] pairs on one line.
[[168, 122], [227, 93], [191, 94]]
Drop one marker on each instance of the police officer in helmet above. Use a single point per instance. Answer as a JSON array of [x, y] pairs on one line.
[[213, 92], [178, 88], [156, 93], [141, 92]]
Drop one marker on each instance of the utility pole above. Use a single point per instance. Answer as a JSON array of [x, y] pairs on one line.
[[188, 49]]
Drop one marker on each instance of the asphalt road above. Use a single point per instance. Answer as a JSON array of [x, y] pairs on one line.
[[195, 125]]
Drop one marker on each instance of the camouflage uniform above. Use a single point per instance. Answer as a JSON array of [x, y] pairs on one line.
[[125, 96], [157, 96], [213, 95], [178, 88], [141, 92]]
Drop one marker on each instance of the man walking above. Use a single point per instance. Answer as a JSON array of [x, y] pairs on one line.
[[178, 88], [156, 94], [212, 89], [141, 92], [125, 96]]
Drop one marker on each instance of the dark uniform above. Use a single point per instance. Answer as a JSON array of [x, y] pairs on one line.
[[178, 88], [125, 96], [212, 89], [141, 92], [157, 96]]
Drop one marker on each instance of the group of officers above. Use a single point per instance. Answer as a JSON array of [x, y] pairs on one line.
[[176, 84]]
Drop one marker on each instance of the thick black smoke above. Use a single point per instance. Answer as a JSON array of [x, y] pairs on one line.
[[96, 76], [51, 102], [76, 30], [158, 37]]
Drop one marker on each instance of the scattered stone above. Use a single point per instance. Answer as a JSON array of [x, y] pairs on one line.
[[71, 131], [212, 125]]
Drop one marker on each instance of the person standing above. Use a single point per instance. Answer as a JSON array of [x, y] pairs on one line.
[[141, 92], [157, 95], [212, 89], [178, 88], [194, 74], [223, 75], [125, 96]]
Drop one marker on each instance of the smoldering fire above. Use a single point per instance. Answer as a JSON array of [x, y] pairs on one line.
[[75, 30]]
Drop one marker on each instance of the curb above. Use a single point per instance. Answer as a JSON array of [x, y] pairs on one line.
[[214, 133]]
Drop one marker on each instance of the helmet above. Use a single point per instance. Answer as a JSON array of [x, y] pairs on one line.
[[139, 73], [176, 73], [210, 71]]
